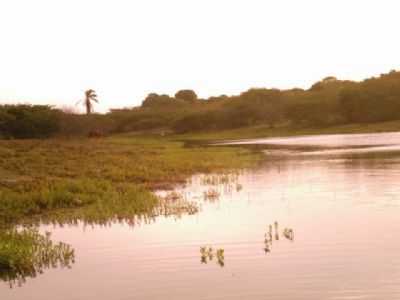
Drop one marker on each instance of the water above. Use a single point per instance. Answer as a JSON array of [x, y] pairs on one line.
[[344, 211]]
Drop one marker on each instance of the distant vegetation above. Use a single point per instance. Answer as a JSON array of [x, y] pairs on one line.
[[329, 102], [90, 97]]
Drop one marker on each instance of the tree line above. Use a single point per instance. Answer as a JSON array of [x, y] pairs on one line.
[[326, 103]]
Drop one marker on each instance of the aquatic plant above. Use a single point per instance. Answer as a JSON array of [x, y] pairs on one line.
[[288, 233], [276, 230], [221, 257], [27, 253], [268, 236], [207, 254]]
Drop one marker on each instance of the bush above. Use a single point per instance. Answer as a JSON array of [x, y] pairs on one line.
[[28, 121]]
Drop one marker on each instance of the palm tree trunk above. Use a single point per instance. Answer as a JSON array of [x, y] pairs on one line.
[[87, 103]]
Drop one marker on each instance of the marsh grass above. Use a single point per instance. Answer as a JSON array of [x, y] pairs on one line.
[[26, 253], [88, 200], [92, 182], [99, 179]]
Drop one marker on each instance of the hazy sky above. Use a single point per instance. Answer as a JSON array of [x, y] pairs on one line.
[[52, 50]]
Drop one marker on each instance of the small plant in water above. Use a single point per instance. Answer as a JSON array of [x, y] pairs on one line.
[[288, 233], [221, 257], [276, 231], [268, 236], [207, 254]]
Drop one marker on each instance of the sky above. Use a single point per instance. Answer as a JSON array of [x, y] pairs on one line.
[[51, 51]]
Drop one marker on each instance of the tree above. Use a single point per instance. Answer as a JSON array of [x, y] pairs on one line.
[[154, 100], [186, 95], [90, 96]]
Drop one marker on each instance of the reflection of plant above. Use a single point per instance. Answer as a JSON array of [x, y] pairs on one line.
[[228, 181], [26, 253], [211, 194], [219, 179], [175, 208]]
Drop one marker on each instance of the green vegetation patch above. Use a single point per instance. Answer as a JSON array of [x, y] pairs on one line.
[[96, 180], [26, 253], [74, 199]]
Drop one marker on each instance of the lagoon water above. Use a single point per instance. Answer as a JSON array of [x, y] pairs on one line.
[[341, 197]]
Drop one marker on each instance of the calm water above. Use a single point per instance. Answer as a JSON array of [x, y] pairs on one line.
[[344, 210]]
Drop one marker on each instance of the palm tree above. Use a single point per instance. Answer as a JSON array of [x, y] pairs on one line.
[[90, 96]]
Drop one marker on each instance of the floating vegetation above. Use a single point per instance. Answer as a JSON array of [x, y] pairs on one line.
[[27, 253], [211, 194], [288, 233], [207, 255]]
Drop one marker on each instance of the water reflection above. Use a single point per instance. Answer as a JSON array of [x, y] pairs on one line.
[[170, 204], [330, 209], [37, 252]]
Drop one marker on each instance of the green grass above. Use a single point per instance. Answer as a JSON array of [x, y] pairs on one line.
[[66, 201], [26, 253], [95, 182], [99, 179]]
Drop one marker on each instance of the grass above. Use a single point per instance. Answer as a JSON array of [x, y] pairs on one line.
[[106, 180], [266, 131], [92, 181], [66, 201], [99, 179], [26, 253]]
